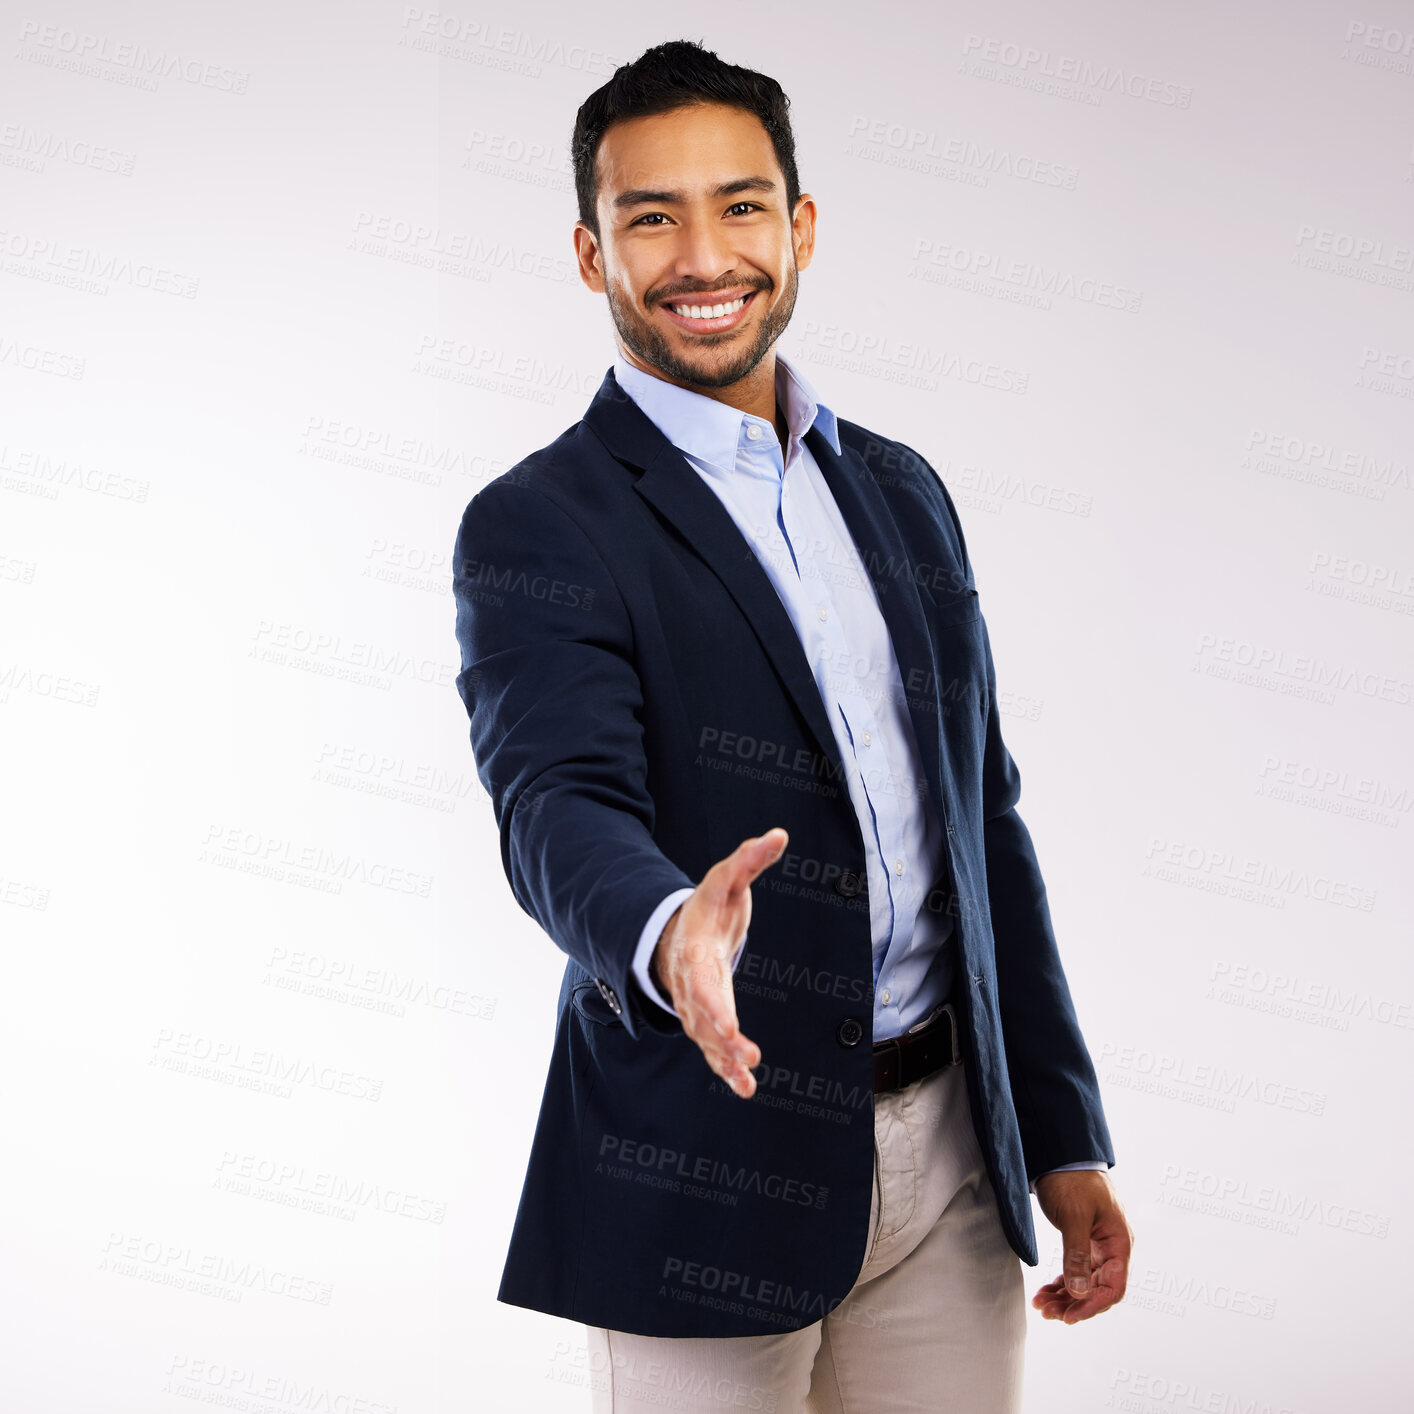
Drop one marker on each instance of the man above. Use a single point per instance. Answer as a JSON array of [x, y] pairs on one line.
[[733, 698]]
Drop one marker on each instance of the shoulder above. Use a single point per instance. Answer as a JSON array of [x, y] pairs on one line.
[[555, 470], [556, 507], [902, 474], [894, 464], [574, 474]]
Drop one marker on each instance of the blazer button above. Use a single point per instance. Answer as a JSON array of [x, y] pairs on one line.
[[848, 884], [850, 1032], [610, 996]]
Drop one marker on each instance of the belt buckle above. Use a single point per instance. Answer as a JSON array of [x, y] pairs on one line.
[[885, 1050], [956, 1041], [931, 1020]]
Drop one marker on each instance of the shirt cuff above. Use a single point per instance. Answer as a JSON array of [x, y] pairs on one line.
[[648, 940], [1063, 1168]]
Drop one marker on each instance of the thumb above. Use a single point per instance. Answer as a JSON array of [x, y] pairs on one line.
[[770, 846], [753, 856], [1075, 1244]]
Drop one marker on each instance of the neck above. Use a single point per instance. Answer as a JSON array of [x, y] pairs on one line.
[[754, 394]]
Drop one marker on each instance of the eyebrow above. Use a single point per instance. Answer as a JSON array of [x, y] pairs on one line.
[[639, 196]]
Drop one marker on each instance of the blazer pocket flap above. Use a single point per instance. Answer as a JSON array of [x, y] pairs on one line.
[[587, 1001], [963, 609]]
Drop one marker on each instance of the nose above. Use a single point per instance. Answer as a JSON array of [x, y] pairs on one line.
[[702, 253]]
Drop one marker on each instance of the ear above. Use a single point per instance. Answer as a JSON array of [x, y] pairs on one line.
[[588, 258], [803, 230]]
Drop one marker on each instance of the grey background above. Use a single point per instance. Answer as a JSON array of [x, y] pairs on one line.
[[281, 288]]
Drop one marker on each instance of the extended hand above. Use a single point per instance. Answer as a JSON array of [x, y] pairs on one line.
[[1096, 1240], [692, 961]]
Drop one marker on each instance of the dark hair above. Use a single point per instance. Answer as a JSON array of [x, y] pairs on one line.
[[677, 74]]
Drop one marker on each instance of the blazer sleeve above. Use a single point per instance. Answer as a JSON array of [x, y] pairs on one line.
[[549, 684], [1054, 1087]]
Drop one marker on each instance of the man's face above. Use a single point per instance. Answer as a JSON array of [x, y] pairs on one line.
[[692, 213]]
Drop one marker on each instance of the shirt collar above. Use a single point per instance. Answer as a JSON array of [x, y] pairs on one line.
[[711, 430]]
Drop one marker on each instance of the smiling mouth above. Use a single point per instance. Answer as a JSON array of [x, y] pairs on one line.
[[708, 314]]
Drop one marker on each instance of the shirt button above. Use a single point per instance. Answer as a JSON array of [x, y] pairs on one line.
[[869, 738], [886, 996], [823, 612], [753, 431], [898, 866]]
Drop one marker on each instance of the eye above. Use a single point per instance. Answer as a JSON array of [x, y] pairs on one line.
[[749, 205]]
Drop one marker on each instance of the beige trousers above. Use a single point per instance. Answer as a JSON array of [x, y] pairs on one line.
[[936, 1322]]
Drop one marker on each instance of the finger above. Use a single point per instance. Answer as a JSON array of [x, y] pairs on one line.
[[733, 1072], [1053, 1309], [1075, 1252], [708, 1014], [739, 1051], [1092, 1305], [748, 860], [1111, 1248], [1055, 1303], [709, 1000], [1113, 1276], [729, 1044], [740, 1078]]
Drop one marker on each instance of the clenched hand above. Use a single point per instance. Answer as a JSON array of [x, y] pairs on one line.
[[1096, 1241]]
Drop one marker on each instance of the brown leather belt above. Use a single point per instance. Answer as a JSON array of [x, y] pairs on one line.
[[921, 1050]]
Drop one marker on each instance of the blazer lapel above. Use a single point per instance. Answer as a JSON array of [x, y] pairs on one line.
[[672, 486], [876, 536]]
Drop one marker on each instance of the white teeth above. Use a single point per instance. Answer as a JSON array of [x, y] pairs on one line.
[[710, 311]]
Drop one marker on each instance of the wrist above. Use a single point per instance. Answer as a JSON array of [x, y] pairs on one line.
[[655, 958]]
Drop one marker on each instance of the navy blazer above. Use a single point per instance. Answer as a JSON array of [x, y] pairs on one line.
[[640, 704]]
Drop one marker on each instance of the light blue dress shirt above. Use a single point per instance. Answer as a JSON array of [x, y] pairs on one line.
[[782, 505]]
